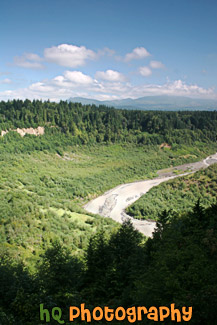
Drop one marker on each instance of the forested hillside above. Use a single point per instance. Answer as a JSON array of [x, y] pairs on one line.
[[53, 252], [179, 194], [177, 266], [89, 124]]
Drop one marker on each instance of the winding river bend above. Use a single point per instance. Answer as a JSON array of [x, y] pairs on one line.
[[113, 203]]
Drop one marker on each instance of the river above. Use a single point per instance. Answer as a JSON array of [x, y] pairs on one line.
[[112, 204]]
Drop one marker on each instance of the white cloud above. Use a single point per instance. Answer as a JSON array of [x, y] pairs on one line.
[[68, 55], [33, 57], [29, 61], [65, 55], [78, 77], [176, 88], [76, 83], [145, 71], [110, 75], [180, 86], [156, 65], [41, 87], [137, 53], [108, 84], [6, 81]]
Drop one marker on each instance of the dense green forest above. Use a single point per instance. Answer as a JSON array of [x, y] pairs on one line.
[[42, 193], [178, 265], [178, 194], [71, 123], [53, 252]]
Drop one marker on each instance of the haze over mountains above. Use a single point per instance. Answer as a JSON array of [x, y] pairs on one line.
[[154, 103]]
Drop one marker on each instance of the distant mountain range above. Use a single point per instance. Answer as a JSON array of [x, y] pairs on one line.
[[171, 103]]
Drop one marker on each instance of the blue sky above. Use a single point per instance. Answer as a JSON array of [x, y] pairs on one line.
[[108, 49]]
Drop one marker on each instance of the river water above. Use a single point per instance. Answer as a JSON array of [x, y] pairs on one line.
[[113, 203]]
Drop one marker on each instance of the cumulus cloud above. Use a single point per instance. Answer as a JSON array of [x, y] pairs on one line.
[[78, 77], [108, 84], [145, 71], [29, 61], [176, 88], [74, 80], [156, 65], [65, 55], [137, 53], [110, 75], [33, 57], [181, 87], [41, 87], [76, 83], [68, 55]]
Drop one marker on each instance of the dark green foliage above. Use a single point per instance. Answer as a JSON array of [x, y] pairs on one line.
[[59, 271], [52, 252], [69, 124], [19, 292], [111, 266], [42, 194], [177, 266], [179, 194], [182, 262]]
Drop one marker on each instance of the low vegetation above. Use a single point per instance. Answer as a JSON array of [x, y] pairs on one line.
[[54, 252], [179, 194], [42, 193], [177, 266]]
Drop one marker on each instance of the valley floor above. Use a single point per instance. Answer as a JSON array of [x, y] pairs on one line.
[[113, 203]]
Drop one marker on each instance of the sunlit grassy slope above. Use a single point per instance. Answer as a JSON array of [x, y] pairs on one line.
[[42, 193], [179, 195]]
